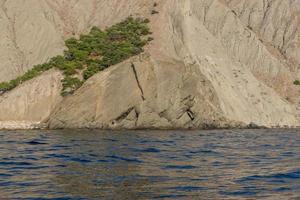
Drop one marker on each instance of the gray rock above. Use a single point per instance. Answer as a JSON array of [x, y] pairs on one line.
[[212, 64]]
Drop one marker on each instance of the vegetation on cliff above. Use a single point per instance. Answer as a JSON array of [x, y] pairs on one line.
[[92, 53], [296, 82]]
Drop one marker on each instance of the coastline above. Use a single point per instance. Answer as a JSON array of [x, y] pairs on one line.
[[37, 125], [21, 125]]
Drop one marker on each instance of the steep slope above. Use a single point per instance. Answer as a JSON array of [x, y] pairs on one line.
[[207, 66], [276, 24], [33, 31], [142, 93], [239, 95], [32, 102]]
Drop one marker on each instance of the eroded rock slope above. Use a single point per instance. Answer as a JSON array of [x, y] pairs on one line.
[[213, 63], [34, 100]]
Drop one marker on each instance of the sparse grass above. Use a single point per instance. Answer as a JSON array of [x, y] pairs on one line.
[[92, 53]]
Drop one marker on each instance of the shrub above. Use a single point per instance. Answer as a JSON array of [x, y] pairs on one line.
[[5, 86], [296, 82], [70, 84], [71, 43], [92, 53], [91, 70]]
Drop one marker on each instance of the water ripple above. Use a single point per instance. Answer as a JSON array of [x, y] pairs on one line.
[[92, 164]]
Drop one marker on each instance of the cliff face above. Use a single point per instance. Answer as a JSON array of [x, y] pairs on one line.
[[32, 102], [212, 63], [142, 93], [33, 31], [275, 22]]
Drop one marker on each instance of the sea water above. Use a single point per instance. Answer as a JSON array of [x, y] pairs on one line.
[[93, 164]]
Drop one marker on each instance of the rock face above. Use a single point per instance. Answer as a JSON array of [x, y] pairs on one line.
[[276, 25], [275, 22], [32, 101], [142, 93], [213, 63], [147, 93], [33, 31]]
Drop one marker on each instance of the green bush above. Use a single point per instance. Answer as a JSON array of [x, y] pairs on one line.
[[92, 53], [70, 84], [91, 70], [296, 82], [5, 86]]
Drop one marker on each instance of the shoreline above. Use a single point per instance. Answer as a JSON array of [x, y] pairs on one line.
[[22, 125], [37, 125]]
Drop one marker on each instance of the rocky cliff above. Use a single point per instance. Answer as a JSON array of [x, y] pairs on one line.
[[212, 63], [30, 104]]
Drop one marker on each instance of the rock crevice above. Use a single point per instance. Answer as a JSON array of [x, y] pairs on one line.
[[137, 81], [212, 63]]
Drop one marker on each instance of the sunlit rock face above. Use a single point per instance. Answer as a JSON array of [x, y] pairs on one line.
[[33, 31], [212, 63], [34, 100]]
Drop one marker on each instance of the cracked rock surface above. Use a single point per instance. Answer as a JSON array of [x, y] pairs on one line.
[[212, 63], [115, 99]]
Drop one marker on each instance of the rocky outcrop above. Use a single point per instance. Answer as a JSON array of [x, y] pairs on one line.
[[147, 93], [142, 93], [213, 63]]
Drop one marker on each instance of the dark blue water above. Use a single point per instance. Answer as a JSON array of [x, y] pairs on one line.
[[230, 164]]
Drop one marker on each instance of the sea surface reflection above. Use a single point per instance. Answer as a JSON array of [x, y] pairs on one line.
[[85, 164]]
